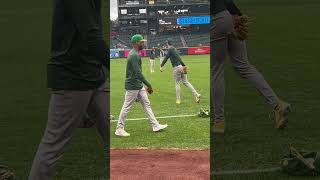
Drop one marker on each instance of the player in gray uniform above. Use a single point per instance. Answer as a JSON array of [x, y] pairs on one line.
[[151, 59], [161, 54], [78, 83], [135, 90], [178, 73], [223, 45]]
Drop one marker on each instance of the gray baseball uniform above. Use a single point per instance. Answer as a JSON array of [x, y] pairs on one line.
[[66, 110], [130, 98], [221, 47], [152, 60], [152, 64], [178, 75], [135, 90], [77, 79], [161, 55]]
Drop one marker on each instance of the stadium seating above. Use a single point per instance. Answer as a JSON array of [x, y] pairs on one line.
[[197, 39], [154, 40], [192, 39]]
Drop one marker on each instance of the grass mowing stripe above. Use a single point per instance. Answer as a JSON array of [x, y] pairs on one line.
[[162, 117]]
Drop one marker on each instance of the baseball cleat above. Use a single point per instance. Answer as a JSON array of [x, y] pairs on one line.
[[159, 127], [178, 101], [218, 127], [198, 98], [121, 132], [281, 113]]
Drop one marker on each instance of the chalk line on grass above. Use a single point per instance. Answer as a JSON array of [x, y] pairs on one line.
[[161, 148], [161, 117], [248, 171]]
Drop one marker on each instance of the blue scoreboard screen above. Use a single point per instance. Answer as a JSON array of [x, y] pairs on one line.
[[193, 20]]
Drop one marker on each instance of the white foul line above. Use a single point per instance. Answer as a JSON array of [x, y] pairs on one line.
[[249, 171], [162, 117]]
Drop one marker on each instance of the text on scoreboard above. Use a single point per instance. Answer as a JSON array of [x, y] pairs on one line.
[[193, 20]]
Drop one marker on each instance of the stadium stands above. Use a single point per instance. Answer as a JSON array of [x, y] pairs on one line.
[[197, 39], [154, 40], [193, 39], [183, 21]]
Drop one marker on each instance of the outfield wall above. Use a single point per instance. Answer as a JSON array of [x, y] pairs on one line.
[[123, 53]]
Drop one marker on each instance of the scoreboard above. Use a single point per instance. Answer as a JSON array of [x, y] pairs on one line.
[[193, 20], [163, 15]]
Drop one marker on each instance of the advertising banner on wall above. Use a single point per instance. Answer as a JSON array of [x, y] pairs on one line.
[[183, 51], [114, 53], [198, 50], [142, 53], [126, 53]]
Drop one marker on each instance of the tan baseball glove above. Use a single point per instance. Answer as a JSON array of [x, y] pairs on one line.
[[185, 69], [241, 27]]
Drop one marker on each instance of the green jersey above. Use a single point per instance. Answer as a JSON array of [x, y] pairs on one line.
[[134, 76], [78, 51], [174, 58]]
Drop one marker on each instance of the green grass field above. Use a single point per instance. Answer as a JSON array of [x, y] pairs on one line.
[[185, 133], [283, 45], [24, 52]]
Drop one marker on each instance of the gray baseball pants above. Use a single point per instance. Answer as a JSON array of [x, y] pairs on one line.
[[131, 97], [223, 46], [161, 59], [152, 61], [66, 111], [179, 77]]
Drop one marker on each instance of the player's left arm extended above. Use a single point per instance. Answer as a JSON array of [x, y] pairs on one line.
[[181, 62]]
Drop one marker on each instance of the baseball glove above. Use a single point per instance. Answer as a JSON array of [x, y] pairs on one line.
[[301, 163], [149, 90], [185, 69], [204, 113], [241, 27]]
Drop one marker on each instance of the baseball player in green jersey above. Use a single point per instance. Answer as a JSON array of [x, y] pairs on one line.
[[135, 90], [78, 82], [223, 46], [179, 72], [151, 59]]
